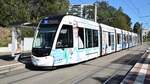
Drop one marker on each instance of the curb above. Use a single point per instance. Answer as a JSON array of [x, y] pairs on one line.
[[133, 76], [11, 67]]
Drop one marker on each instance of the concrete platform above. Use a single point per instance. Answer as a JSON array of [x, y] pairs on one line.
[[7, 63], [140, 73]]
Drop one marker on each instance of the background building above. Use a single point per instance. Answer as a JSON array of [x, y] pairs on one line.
[[146, 35], [145, 32]]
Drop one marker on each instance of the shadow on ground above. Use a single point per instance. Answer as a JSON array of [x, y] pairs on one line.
[[129, 59], [114, 80], [6, 58]]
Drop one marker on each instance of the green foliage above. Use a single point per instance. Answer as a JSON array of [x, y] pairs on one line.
[[13, 11], [43, 8], [114, 17], [16, 12], [137, 28], [5, 37], [27, 32], [19, 11]]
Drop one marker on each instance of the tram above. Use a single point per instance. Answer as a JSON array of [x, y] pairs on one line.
[[62, 40]]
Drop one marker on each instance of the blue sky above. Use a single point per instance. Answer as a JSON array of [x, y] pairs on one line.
[[138, 10]]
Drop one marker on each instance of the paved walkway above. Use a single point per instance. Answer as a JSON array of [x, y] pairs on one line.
[[140, 73], [7, 63], [6, 59]]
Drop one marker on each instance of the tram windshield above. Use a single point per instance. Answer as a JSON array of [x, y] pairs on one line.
[[44, 40]]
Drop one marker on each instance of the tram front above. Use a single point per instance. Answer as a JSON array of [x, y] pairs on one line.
[[43, 41]]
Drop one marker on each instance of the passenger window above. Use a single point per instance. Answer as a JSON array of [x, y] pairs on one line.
[[65, 39], [81, 38], [89, 37], [118, 38], [109, 39], [127, 36], [95, 38], [124, 38], [130, 38]]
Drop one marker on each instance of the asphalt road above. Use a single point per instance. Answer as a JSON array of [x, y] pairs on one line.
[[109, 69]]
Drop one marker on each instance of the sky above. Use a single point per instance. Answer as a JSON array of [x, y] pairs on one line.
[[137, 10]]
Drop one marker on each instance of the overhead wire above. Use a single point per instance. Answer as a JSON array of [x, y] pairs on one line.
[[135, 10], [141, 17]]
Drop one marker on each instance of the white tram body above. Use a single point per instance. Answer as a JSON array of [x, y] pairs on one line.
[[124, 39], [61, 40], [130, 39], [134, 39], [118, 39], [75, 40], [108, 39]]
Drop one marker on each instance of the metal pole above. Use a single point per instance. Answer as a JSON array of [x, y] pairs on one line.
[[95, 15], [141, 35], [81, 11], [14, 41]]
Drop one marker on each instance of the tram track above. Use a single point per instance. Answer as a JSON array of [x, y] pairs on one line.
[[118, 71], [103, 68], [80, 76], [28, 77]]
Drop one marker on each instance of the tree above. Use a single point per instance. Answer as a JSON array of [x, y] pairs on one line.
[[114, 17], [138, 29], [13, 11], [42, 8], [19, 11]]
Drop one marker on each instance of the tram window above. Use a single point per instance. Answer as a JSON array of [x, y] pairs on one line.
[[81, 38], [89, 38], [118, 38], [112, 39], [127, 38], [95, 38], [65, 39], [109, 39], [124, 38], [130, 38]]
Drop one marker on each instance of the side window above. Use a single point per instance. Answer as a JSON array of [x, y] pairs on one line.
[[109, 39], [65, 39], [95, 38], [81, 42], [118, 38], [130, 38], [89, 37], [127, 38], [112, 38], [124, 38]]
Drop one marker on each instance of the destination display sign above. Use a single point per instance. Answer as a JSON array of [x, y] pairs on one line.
[[49, 21], [52, 20]]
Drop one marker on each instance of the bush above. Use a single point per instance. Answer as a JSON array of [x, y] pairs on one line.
[[5, 36], [27, 32]]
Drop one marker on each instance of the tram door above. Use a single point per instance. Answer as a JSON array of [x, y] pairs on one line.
[[104, 42], [79, 49], [111, 40], [64, 45]]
